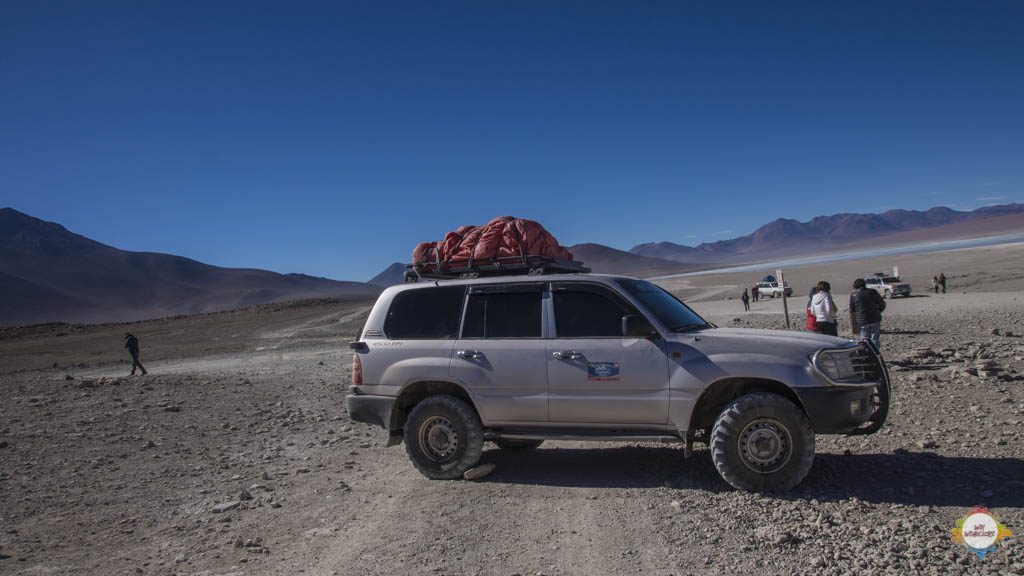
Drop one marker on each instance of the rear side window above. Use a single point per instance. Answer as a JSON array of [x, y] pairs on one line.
[[586, 314], [499, 314], [425, 314]]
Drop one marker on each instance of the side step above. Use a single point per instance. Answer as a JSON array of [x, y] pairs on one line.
[[583, 437]]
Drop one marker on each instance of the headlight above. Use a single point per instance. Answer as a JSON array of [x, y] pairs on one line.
[[854, 365]]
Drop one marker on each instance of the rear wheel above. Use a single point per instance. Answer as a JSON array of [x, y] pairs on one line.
[[443, 437], [762, 442], [516, 444]]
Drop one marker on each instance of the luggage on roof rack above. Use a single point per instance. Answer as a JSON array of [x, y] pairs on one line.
[[504, 246]]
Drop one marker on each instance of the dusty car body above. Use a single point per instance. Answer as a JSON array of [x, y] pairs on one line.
[[602, 358]]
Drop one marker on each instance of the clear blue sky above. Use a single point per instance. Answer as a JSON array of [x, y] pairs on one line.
[[329, 139]]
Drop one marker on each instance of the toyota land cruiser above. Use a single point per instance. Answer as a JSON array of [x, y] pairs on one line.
[[448, 365]]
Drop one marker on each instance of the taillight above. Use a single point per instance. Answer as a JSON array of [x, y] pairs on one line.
[[357, 371]]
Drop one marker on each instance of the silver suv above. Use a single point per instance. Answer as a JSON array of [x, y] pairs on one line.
[[448, 365]]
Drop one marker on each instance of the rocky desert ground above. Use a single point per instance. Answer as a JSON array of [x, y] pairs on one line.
[[235, 455]]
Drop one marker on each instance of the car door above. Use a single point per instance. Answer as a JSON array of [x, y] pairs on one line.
[[595, 375], [499, 355]]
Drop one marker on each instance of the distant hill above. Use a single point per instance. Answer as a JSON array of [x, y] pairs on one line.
[[786, 237], [606, 260], [393, 274], [48, 273]]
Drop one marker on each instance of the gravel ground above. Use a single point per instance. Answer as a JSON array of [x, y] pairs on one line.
[[235, 456]]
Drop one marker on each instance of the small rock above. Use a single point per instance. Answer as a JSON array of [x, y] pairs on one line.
[[244, 495], [225, 506], [479, 472], [172, 409], [69, 377]]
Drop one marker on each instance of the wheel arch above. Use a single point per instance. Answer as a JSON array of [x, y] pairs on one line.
[[415, 392], [720, 393]]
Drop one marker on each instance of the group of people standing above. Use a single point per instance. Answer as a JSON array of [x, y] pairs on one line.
[[939, 282], [866, 307]]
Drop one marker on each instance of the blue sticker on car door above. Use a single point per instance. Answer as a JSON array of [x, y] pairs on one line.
[[603, 371]]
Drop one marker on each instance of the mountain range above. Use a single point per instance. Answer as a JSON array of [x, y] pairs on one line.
[[48, 273], [786, 237]]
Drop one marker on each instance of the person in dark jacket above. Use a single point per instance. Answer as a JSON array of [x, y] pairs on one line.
[[942, 281], [866, 307], [746, 300], [131, 343]]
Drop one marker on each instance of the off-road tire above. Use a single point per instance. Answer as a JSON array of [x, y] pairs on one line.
[[753, 410], [888, 294], [451, 414], [516, 444]]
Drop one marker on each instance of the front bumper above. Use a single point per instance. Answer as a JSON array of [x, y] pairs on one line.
[[836, 409], [370, 409]]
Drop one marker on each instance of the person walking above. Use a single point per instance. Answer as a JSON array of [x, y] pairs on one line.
[[824, 310], [942, 281], [812, 323], [866, 307], [131, 343], [935, 284], [746, 300]]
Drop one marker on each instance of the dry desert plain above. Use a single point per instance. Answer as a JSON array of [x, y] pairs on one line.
[[235, 455]]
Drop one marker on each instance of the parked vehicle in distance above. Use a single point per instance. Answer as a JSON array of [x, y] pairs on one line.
[[887, 285], [516, 360], [773, 289]]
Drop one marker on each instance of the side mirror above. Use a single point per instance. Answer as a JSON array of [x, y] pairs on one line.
[[634, 326]]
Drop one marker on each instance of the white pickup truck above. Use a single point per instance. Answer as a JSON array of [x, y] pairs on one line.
[[773, 290], [888, 286]]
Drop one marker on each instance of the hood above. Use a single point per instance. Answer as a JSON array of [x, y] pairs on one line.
[[719, 340]]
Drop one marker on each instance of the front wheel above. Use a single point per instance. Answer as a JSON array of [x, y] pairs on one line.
[[888, 294], [443, 437], [762, 442]]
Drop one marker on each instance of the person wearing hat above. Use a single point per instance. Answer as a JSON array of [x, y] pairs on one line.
[[131, 343]]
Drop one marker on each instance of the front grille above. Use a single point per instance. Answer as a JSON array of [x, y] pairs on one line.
[[850, 365]]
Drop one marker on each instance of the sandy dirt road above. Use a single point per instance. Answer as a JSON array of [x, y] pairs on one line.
[[235, 456]]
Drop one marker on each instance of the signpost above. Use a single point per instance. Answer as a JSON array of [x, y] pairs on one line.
[[896, 271], [782, 284]]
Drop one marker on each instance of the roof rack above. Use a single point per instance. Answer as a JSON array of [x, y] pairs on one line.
[[501, 266]]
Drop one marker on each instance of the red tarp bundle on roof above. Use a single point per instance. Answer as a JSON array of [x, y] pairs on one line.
[[504, 237]]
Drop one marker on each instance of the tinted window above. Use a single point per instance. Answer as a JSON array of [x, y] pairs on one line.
[[427, 313], [586, 314], [503, 315], [673, 313]]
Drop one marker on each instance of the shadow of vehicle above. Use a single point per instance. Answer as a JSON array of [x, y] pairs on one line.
[[914, 478]]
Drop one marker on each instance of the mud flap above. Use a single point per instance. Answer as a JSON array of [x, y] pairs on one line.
[[395, 438]]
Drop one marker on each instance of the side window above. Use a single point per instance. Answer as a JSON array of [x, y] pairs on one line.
[[584, 312], [425, 314], [497, 313]]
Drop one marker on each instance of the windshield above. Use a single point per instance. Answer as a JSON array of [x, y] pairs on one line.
[[669, 310]]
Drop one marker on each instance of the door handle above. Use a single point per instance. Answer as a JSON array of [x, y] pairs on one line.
[[567, 355], [469, 354]]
